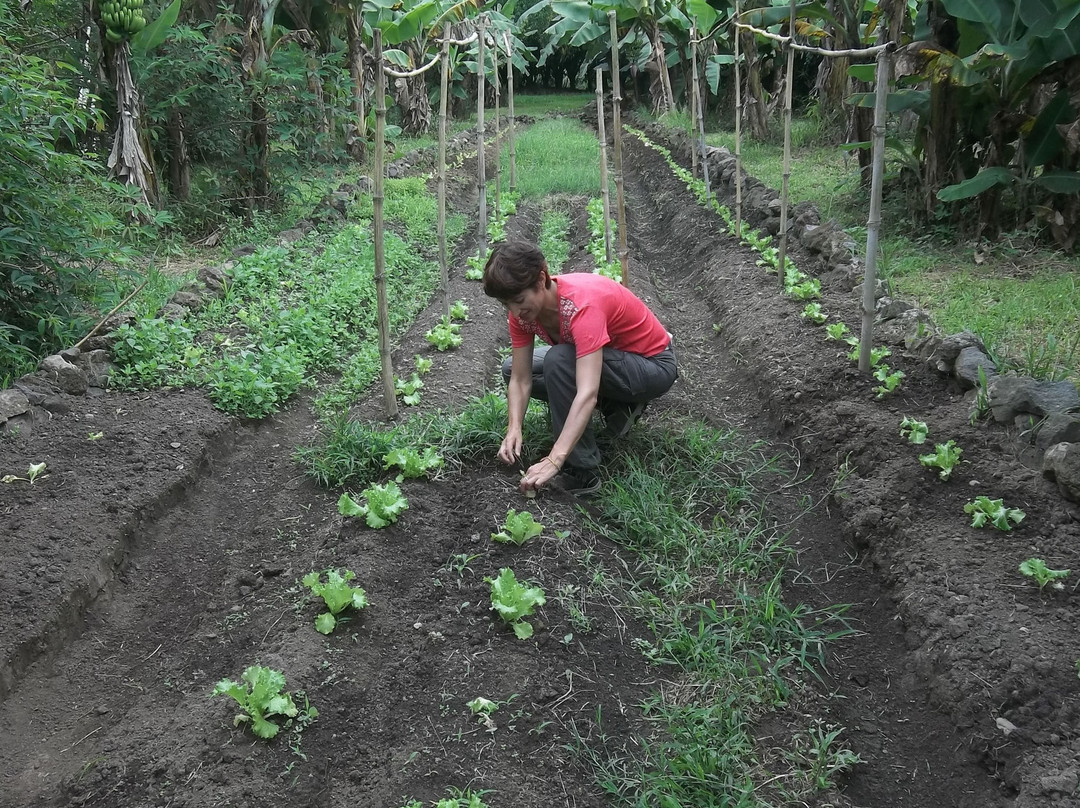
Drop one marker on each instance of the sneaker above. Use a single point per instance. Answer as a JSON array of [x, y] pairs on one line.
[[577, 482], [621, 417]]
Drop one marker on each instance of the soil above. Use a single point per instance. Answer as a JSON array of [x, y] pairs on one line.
[[165, 555]]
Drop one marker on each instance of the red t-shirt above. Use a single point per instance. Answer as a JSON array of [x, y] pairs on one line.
[[595, 311]]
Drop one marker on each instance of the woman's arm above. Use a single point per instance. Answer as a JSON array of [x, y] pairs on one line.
[[517, 402]]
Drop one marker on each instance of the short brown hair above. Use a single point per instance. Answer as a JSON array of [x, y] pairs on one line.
[[511, 268]]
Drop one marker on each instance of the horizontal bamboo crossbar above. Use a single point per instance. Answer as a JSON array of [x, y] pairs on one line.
[[787, 40]]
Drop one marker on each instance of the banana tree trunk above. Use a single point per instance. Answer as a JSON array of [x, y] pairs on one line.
[[412, 99], [259, 153], [755, 105], [129, 161], [179, 159]]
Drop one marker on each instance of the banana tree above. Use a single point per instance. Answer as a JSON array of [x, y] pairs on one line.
[[412, 31], [992, 84], [123, 27]]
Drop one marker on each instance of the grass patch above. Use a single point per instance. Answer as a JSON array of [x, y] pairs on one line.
[[543, 104], [556, 156], [686, 503], [554, 241]]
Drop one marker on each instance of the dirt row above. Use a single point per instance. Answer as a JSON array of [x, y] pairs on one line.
[[165, 556]]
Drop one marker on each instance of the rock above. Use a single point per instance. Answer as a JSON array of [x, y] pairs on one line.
[[71, 355], [951, 346], [1061, 463], [291, 235], [243, 249], [65, 375], [1059, 427], [57, 405], [910, 326], [173, 313], [191, 301], [19, 425], [12, 403], [214, 279], [1010, 395], [366, 185], [889, 308], [1064, 783], [967, 366]]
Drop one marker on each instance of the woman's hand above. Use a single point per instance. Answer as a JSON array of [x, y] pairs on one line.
[[510, 449], [539, 474]]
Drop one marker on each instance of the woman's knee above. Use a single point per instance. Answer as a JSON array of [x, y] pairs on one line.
[[560, 359]]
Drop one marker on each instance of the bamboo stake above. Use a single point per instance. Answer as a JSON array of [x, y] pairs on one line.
[[481, 174], [738, 132], [693, 97], [510, 109], [786, 176], [616, 124], [115, 309], [498, 145], [605, 193], [389, 394], [873, 224], [444, 265], [701, 122]]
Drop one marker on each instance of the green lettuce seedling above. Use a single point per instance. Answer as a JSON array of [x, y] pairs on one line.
[[513, 601], [475, 272], [945, 458], [984, 509], [459, 311], [337, 594], [1036, 569], [32, 473], [262, 697], [384, 504], [409, 390], [518, 528], [445, 334], [814, 314], [411, 462], [914, 431], [837, 331], [889, 379], [423, 364]]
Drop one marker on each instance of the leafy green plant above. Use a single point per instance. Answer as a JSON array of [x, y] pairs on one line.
[[980, 407], [413, 463], [837, 331], [915, 431], [337, 594], [384, 504], [409, 389], [518, 528], [814, 314], [944, 458], [475, 270], [890, 380], [423, 364], [261, 696], [445, 334], [459, 311], [1036, 569], [514, 601], [984, 510], [32, 473]]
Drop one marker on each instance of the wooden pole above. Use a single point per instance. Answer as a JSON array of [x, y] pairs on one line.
[[700, 107], [738, 133], [605, 193], [616, 125], [693, 97], [498, 144], [389, 393], [510, 109], [444, 266], [786, 177], [481, 173], [873, 224]]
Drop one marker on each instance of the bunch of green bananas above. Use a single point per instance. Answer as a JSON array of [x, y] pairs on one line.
[[122, 18]]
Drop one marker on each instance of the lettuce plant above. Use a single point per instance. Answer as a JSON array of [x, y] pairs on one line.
[[337, 594], [915, 431], [260, 696], [518, 528], [984, 510], [890, 380], [814, 314], [384, 504], [1036, 569], [444, 335], [409, 390], [513, 601], [413, 463], [945, 458]]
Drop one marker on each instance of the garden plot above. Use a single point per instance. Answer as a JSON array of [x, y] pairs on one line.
[[211, 537]]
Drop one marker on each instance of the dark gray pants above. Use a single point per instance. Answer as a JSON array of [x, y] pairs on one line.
[[626, 378]]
